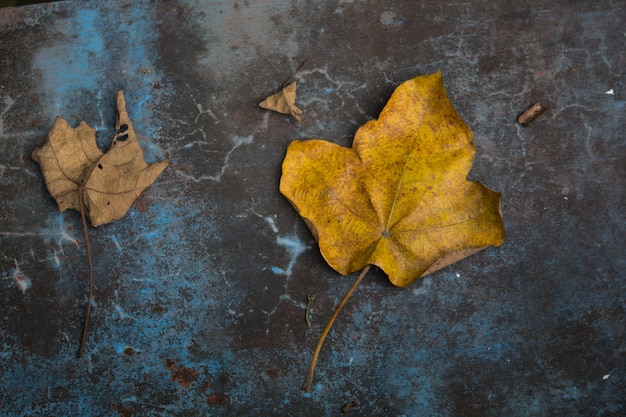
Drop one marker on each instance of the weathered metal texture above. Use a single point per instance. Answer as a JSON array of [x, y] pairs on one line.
[[201, 289]]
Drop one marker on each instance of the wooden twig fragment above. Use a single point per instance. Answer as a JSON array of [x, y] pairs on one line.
[[531, 114]]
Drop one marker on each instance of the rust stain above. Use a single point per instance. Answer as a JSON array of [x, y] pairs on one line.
[[143, 203], [130, 351], [123, 411], [217, 398], [272, 373], [184, 376], [157, 308]]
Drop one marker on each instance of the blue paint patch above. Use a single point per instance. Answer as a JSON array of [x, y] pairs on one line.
[[73, 63], [89, 62], [119, 348], [278, 271], [151, 235]]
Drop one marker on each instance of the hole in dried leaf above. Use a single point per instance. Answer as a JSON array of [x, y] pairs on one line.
[[122, 138], [100, 166], [385, 233], [123, 128]]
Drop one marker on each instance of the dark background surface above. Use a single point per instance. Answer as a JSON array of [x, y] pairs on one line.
[[12, 3], [201, 289]]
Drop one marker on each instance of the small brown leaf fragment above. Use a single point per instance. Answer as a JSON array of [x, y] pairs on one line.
[[348, 406], [284, 102], [531, 114]]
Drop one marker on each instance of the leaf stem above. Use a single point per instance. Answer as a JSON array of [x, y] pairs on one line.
[[310, 299], [308, 381], [291, 79], [81, 191]]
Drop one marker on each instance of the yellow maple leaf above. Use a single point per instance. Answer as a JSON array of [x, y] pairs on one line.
[[399, 198]]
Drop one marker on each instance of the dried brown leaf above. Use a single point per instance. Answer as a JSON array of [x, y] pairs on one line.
[[284, 102], [70, 159]]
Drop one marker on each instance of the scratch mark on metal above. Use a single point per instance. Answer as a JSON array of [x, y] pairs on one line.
[[22, 281], [237, 142], [295, 248]]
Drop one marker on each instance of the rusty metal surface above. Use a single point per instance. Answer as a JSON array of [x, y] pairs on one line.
[[201, 289]]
